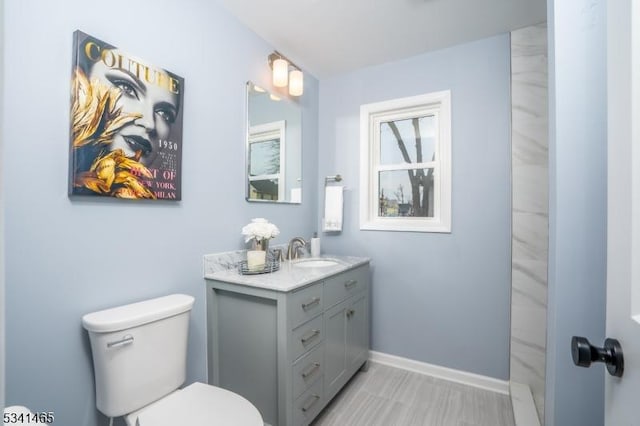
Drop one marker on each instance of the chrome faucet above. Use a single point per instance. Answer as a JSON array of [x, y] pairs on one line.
[[292, 250]]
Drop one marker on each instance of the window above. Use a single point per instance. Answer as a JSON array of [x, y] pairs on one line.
[[405, 164], [266, 161]]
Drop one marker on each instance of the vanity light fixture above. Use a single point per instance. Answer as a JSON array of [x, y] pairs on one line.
[[282, 76]]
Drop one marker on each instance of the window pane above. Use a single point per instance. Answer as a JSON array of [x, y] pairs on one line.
[[405, 193], [409, 131], [264, 157], [265, 189]]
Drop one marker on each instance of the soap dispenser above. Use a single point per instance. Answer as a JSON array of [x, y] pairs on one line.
[[315, 245]]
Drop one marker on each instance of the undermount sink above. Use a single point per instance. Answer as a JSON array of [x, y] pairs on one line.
[[315, 263]]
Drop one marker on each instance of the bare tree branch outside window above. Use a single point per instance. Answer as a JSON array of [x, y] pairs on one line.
[[421, 182]]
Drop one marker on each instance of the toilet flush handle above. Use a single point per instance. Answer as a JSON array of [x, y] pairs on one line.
[[126, 340]]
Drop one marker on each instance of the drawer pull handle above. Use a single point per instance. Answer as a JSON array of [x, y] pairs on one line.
[[310, 402], [350, 283], [311, 370], [126, 340], [310, 336], [310, 303]]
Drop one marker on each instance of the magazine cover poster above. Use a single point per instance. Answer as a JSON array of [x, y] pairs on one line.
[[126, 124]]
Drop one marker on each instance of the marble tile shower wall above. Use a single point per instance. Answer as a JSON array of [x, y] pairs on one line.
[[530, 169]]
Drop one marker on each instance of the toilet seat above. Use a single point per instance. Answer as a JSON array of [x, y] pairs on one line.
[[198, 404]]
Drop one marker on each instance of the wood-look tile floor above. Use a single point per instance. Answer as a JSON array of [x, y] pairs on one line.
[[388, 396]]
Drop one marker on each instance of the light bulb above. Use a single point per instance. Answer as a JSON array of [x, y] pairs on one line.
[[296, 83], [280, 72]]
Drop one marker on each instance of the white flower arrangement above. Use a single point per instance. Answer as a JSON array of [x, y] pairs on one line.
[[259, 229]]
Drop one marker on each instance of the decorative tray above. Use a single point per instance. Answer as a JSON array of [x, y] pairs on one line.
[[271, 265]]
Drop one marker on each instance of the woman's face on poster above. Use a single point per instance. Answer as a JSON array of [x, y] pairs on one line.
[[157, 105]]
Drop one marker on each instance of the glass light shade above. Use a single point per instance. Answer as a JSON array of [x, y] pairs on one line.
[[280, 72], [296, 83]]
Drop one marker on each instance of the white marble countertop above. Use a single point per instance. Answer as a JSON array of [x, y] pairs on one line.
[[289, 276]]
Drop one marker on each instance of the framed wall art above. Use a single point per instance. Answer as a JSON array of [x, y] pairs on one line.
[[125, 124]]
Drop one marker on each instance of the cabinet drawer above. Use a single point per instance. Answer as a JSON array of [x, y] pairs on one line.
[[307, 336], [308, 405], [338, 288], [307, 370], [305, 304]]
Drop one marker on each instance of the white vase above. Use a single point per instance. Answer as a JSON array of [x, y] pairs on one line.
[[256, 259]]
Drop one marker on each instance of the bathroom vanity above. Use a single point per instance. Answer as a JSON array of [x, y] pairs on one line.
[[290, 340]]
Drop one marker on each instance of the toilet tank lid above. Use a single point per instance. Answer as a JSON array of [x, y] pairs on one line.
[[135, 314]]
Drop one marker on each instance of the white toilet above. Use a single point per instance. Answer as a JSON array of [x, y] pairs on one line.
[[139, 359]]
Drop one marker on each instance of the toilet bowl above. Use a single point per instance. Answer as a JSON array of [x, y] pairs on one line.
[[16, 409], [198, 404], [139, 355]]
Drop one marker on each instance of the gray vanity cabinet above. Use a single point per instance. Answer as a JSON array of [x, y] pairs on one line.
[[346, 340], [288, 352]]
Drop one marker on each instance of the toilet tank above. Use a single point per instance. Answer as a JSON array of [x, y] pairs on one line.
[[139, 352]]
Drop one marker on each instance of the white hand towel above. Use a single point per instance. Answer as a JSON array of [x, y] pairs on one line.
[[333, 205]]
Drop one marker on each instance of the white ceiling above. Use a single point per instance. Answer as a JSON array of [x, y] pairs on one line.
[[328, 37]]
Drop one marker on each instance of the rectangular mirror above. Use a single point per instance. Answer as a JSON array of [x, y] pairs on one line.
[[273, 147]]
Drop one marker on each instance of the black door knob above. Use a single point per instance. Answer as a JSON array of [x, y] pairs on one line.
[[584, 353]]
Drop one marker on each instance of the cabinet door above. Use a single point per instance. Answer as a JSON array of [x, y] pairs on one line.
[[357, 332], [335, 355]]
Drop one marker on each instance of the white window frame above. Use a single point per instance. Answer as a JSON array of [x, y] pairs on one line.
[[265, 132], [437, 104]]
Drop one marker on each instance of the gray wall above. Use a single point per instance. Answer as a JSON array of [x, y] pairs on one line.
[[577, 207], [436, 298], [66, 257]]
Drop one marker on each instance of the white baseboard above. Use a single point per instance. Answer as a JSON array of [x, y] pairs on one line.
[[524, 409], [458, 376]]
